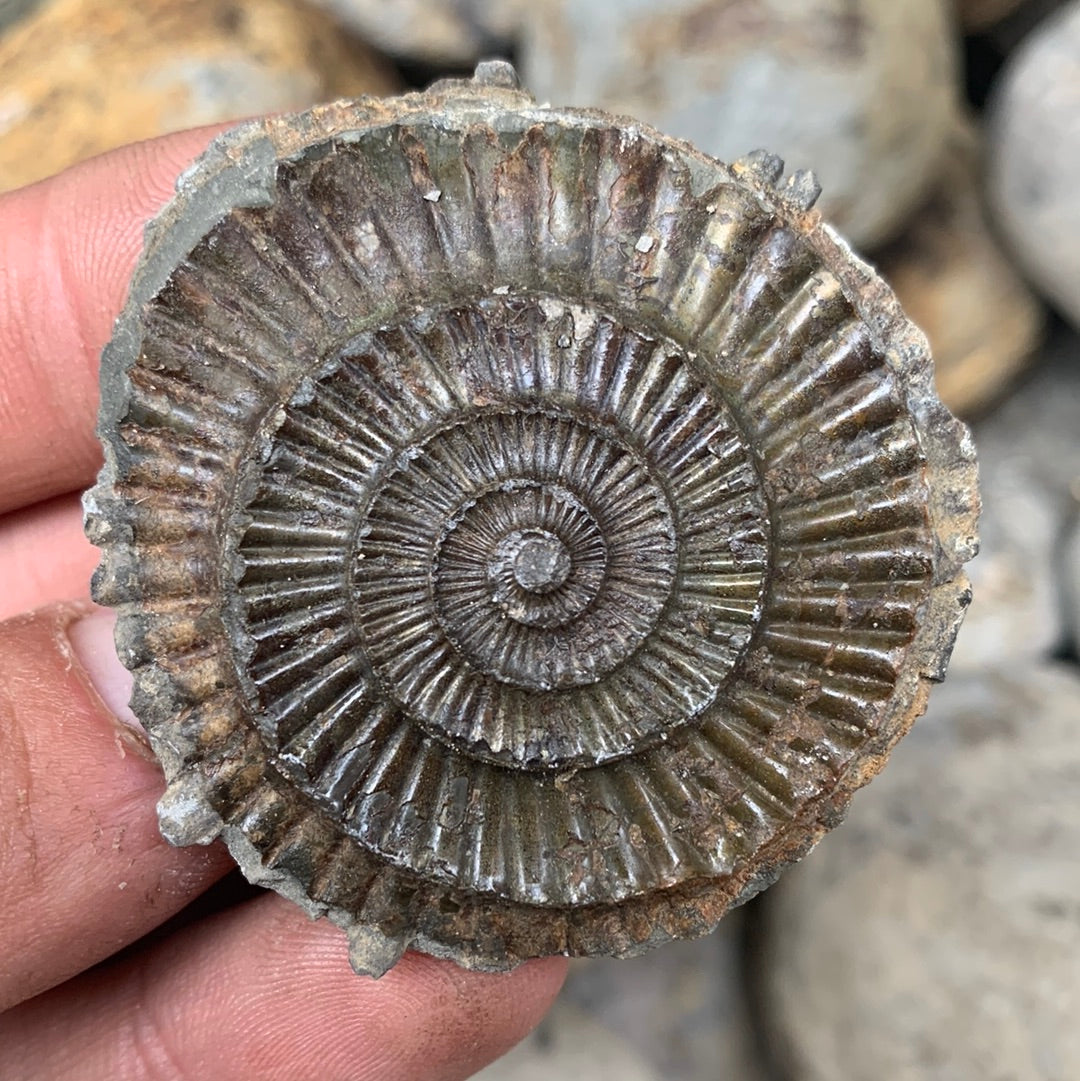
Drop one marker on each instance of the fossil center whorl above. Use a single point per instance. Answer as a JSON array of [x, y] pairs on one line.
[[552, 552], [515, 473], [538, 560], [546, 561], [543, 575]]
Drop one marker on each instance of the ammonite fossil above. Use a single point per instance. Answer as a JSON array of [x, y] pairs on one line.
[[527, 532]]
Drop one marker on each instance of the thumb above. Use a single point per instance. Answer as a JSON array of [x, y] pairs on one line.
[[83, 868]]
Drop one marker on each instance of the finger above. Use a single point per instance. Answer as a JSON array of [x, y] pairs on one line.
[[262, 992], [67, 249], [83, 868], [44, 556]]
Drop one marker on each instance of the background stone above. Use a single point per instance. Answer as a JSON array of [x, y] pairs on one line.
[[570, 1044], [862, 92], [1034, 157], [954, 281], [84, 76], [678, 1013], [1029, 461], [1069, 570], [977, 15], [454, 32], [10, 10], [935, 936]]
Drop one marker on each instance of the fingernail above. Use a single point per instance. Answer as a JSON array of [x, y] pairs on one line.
[[91, 638]]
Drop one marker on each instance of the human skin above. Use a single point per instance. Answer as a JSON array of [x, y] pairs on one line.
[[255, 990]]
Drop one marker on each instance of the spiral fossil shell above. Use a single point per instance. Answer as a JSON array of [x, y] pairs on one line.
[[526, 531]]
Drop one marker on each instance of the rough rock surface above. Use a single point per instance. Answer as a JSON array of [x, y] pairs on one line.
[[936, 935], [1029, 463], [676, 1015], [864, 93], [1034, 158], [83, 76], [954, 281]]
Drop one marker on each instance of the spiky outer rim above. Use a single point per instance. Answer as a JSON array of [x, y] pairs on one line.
[[239, 170]]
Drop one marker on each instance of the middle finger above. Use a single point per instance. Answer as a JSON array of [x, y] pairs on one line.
[[44, 556]]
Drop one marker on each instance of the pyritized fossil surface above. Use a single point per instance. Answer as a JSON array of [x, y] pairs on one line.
[[526, 531]]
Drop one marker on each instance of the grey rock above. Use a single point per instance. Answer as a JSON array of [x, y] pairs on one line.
[[1029, 462], [863, 93], [10, 10], [936, 935], [678, 1015], [570, 1044], [1034, 158], [435, 31], [955, 281]]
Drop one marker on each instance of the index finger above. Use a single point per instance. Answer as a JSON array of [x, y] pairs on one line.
[[67, 249]]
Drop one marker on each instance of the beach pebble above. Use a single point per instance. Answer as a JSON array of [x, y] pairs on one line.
[[935, 936], [1034, 158], [84, 76], [862, 92], [678, 1013], [1029, 466], [454, 32], [952, 278]]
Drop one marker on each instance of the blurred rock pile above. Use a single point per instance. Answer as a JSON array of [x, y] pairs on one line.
[[935, 936], [869, 93]]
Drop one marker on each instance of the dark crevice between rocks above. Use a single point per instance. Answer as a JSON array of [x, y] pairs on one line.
[[984, 54], [773, 1058], [1066, 561], [1067, 653], [983, 59]]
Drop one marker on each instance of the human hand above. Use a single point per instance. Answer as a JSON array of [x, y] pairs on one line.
[[255, 991]]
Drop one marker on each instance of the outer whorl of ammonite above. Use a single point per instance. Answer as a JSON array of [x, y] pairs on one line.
[[526, 531]]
